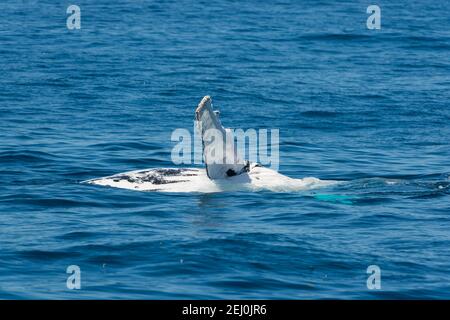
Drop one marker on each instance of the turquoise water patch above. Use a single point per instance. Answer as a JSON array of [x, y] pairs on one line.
[[335, 198]]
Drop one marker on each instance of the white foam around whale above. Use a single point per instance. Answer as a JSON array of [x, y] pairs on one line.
[[196, 180]]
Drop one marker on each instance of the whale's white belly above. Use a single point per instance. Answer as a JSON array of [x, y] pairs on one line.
[[196, 180]]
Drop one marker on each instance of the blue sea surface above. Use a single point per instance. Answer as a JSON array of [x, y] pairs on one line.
[[366, 107]]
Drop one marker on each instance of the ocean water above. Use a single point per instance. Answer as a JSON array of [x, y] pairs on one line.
[[369, 108]]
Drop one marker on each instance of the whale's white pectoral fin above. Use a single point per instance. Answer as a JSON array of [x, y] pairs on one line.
[[219, 151]]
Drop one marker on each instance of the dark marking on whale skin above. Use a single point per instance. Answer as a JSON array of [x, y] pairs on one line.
[[246, 168], [152, 178], [231, 173], [155, 176], [173, 172]]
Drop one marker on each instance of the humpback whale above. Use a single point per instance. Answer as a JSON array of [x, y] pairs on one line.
[[224, 169]]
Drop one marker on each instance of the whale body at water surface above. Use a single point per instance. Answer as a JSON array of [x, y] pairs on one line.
[[196, 180]]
